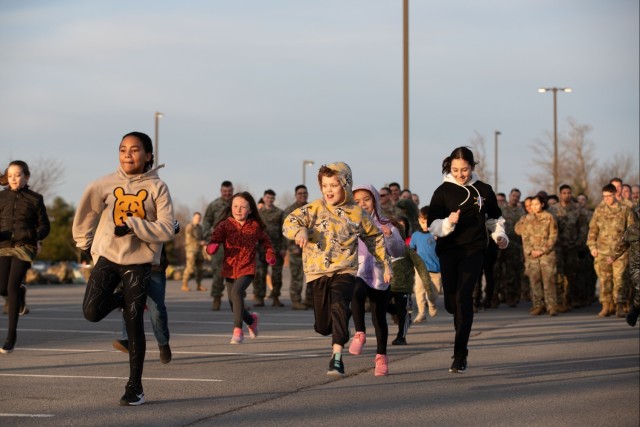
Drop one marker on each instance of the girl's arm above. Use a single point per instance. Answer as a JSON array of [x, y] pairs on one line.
[[394, 243], [44, 227], [162, 229], [87, 216]]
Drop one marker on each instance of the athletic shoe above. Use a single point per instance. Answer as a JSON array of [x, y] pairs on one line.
[[8, 346], [253, 328], [420, 318], [336, 367], [433, 311], [122, 345], [382, 366], [133, 395], [459, 365], [358, 341], [237, 337], [23, 300], [399, 341], [165, 353], [632, 316]]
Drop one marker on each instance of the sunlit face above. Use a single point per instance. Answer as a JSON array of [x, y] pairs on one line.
[[17, 178], [332, 190], [618, 186], [226, 193], [536, 206], [501, 200], [565, 196], [365, 200], [626, 192], [461, 171], [609, 198], [132, 156], [196, 218], [385, 197], [301, 196], [395, 192], [635, 193], [527, 205], [514, 198], [240, 209]]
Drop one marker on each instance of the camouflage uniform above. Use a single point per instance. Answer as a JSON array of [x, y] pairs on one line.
[[572, 223], [193, 250], [509, 266], [272, 219], [605, 231], [295, 265], [631, 240], [539, 232], [212, 216]]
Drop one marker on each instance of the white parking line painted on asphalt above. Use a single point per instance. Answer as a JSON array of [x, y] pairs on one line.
[[199, 353], [188, 322], [27, 415], [87, 377], [89, 331]]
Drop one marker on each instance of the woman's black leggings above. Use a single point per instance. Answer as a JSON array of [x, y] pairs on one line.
[[12, 272], [460, 272], [378, 300], [236, 289], [100, 300]]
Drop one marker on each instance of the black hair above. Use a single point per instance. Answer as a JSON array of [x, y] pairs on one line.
[[609, 188], [300, 187], [542, 200], [463, 153], [269, 192], [563, 186], [147, 145], [515, 189]]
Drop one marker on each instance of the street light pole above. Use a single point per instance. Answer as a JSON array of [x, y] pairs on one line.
[[157, 148], [555, 129], [405, 86], [305, 163], [495, 158]]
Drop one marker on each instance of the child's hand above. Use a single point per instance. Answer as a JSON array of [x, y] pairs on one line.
[[302, 238], [386, 230], [212, 248], [502, 243], [454, 217], [388, 275], [271, 259]]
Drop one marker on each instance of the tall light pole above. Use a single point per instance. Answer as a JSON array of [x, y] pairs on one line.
[[405, 86], [555, 129], [305, 163], [495, 159], [157, 147]]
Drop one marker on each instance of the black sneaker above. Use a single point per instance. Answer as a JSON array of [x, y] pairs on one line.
[[22, 299], [399, 341], [133, 395], [8, 346], [336, 367], [632, 317], [459, 365], [122, 345], [165, 353]]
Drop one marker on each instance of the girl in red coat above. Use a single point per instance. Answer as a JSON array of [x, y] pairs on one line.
[[240, 233]]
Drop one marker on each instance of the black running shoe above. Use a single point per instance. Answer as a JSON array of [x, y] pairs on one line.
[[133, 395], [122, 345], [8, 346], [399, 341], [459, 365], [336, 367], [165, 353]]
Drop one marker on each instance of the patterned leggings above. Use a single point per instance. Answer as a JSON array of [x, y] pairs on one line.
[[99, 301]]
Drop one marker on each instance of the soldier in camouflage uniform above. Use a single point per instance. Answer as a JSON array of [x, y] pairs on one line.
[[509, 265], [272, 216], [387, 207], [295, 258], [610, 220], [539, 233], [572, 226], [214, 214], [586, 277], [631, 239], [194, 242]]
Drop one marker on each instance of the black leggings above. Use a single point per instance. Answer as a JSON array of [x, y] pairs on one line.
[[236, 289], [99, 301], [460, 272], [398, 306], [379, 301], [12, 272]]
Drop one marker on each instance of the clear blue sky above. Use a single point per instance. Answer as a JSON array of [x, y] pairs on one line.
[[251, 88]]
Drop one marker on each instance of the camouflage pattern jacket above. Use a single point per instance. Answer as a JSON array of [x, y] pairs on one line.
[[572, 225], [273, 219], [213, 215], [630, 240], [539, 233], [607, 226]]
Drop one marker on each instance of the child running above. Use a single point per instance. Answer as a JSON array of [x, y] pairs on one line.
[[370, 282], [425, 245], [240, 233], [328, 230]]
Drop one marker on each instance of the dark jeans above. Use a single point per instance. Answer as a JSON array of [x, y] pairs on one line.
[[99, 301], [331, 299], [379, 301], [398, 306], [12, 272], [460, 272], [157, 309]]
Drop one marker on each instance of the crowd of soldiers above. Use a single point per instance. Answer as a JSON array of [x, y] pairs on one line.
[[580, 253]]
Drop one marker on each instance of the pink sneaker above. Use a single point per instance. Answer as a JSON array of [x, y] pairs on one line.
[[358, 341], [253, 328], [382, 368], [237, 337]]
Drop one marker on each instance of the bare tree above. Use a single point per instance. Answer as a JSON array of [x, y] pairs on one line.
[[542, 160], [621, 166], [46, 175], [478, 145], [578, 159]]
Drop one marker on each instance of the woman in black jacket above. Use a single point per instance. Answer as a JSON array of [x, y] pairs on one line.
[[23, 224], [463, 210]]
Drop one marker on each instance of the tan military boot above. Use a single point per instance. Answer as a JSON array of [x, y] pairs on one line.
[[605, 310], [201, 288], [620, 311], [185, 287], [276, 302], [297, 305], [217, 301], [537, 311]]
